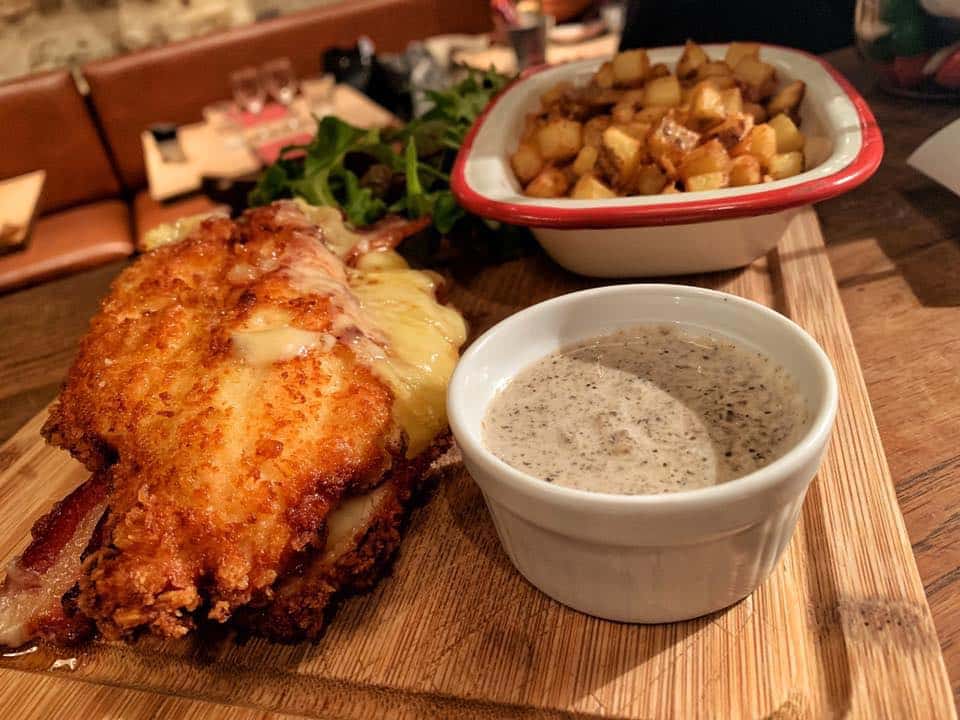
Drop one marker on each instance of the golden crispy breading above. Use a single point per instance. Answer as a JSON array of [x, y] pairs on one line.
[[227, 452]]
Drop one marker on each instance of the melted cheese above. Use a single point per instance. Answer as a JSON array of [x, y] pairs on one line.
[[174, 232], [423, 341], [278, 344], [352, 517], [336, 235]]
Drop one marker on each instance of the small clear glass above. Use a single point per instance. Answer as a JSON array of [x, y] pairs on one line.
[[248, 92], [281, 83]]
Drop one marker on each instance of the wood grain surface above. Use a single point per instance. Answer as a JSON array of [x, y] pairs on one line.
[[841, 628]]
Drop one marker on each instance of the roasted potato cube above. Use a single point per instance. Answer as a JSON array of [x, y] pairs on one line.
[[759, 112], [713, 68], [526, 162], [732, 100], [784, 165], [761, 142], [531, 124], [757, 79], [622, 151], [692, 58], [589, 188], [662, 92], [638, 130], [669, 141], [732, 130], [585, 160], [550, 183], [788, 100], [658, 70], [789, 138], [736, 51], [604, 77], [556, 94], [721, 82], [649, 180], [706, 104], [560, 139], [593, 130], [626, 106], [711, 157], [709, 181], [651, 115], [622, 113], [745, 170], [630, 67]]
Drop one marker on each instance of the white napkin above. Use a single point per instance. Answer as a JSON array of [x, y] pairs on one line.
[[937, 157]]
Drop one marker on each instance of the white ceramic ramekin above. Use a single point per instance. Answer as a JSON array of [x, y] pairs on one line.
[[642, 558], [646, 236]]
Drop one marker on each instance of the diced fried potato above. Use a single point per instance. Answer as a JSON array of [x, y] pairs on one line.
[[662, 92], [714, 68], [709, 181], [736, 51], [560, 139], [555, 94], [761, 142], [638, 130], [721, 82], [585, 160], [759, 112], [622, 113], [732, 100], [693, 57], [649, 180], [622, 150], [757, 79], [593, 130], [732, 130], [651, 115], [745, 170], [788, 100], [589, 188], [526, 162], [784, 165], [630, 67], [531, 124], [670, 141], [658, 70], [550, 183], [711, 157], [604, 76], [706, 104], [789, 138]]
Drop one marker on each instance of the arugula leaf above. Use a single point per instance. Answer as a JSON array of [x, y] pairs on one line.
[[420, 156]]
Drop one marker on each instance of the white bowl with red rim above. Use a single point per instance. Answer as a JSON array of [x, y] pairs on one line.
[[655, 235]]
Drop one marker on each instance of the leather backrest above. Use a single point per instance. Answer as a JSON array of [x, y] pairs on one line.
[[174, 82], [45, 125]]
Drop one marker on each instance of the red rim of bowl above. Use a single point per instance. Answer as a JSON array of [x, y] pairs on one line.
[[759, 202]]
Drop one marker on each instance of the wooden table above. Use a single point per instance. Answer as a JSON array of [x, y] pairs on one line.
[[894, 248]]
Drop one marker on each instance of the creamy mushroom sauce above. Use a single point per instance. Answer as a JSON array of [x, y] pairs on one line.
[[653, 409]]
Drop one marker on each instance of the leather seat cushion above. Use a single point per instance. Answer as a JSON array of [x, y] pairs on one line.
[[68, 241], [46, 126]]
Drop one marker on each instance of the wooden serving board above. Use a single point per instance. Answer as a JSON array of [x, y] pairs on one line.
[[841, 628]]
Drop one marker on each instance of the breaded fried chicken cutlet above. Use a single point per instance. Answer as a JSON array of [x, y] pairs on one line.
[[256, 402]]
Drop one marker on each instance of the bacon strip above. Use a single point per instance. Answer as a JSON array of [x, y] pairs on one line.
[[32, 602]]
